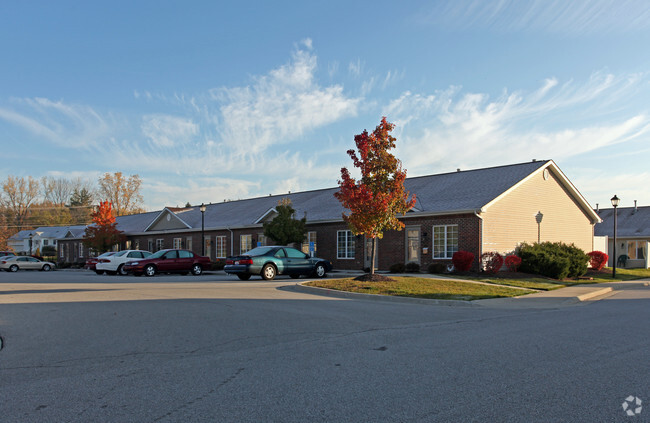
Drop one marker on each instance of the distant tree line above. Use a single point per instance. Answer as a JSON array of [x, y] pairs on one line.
[[27, 202]]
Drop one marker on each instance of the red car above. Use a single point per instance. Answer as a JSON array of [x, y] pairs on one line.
[[168, 261], [92, 261]]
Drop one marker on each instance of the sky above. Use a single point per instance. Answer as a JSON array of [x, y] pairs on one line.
[[209, 101]]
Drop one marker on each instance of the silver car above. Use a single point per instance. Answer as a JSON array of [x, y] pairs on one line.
[[15, 263]]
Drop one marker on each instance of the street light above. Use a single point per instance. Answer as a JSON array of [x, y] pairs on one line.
[[538, 217], [202, 208], [31, 235], [615, 202]]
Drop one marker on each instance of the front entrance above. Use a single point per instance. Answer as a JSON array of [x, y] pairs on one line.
[[413, 245], [368, 253]]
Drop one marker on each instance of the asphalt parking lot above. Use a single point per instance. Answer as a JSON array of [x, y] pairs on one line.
[[81, 347]]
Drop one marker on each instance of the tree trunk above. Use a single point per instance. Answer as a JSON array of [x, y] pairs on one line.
[[372, 260]]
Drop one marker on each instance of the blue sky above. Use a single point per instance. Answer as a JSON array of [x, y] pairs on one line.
[[209, 101]]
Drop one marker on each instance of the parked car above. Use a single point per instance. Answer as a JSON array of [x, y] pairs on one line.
[[91, 263], [15, 263], [168, 261], [7, 253], [270, 261], [114, 263]]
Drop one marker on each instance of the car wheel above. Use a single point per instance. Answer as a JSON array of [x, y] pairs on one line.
[[99, 272], [150, 270], [121, 271], [268, 272], [197, 270], [46, 268], [244, 276], [13, 268], [320, 271], [294, 276]]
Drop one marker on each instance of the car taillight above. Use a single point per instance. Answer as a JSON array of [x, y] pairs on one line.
[[103, 261], [246, 261], [229, 262]]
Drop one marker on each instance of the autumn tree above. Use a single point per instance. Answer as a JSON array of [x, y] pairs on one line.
[[123, 192], [284, 228], [375, 200], [17, 196], [103, 233]]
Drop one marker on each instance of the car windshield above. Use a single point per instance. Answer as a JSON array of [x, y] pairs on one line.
[[157, 254], [258, 251]]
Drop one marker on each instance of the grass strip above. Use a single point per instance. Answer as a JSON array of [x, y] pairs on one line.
[[414, 287]]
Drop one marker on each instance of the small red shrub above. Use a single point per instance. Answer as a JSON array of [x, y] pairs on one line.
[[462, 260], [598, 260], [513, 262], [492, 262]]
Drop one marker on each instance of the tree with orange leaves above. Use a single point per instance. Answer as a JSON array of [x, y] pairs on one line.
[[103, 233], [375, 200]]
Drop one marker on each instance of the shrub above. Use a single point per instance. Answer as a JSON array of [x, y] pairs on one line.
[[598, 260], [437, 268], [513, 262], [491, 262], [412, 267], [397, 268], [49, 250], [553, 259], [462, 260]]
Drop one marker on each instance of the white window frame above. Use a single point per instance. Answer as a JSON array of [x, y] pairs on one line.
[[220, 249], [188, 243], [160, 244], [177, 243], [349, 245], [445, 246], [245, 240]]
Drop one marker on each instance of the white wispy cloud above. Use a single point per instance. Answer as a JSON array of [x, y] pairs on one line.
[[554, 16], [454, 129], [168, 131]]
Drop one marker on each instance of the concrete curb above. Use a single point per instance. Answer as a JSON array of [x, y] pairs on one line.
[[300, 287], [593, 294]]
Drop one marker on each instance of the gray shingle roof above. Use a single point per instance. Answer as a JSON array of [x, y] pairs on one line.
[[629, 223]]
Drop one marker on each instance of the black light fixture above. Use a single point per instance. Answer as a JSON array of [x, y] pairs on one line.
[[538, 218], [615, 203], [202, 208]]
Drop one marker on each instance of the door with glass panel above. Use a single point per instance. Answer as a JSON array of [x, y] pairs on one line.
[[413, 245]]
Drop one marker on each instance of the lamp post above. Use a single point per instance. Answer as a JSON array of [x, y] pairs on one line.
[[615, 202], [538, 217], [202, 208], [31, 235]]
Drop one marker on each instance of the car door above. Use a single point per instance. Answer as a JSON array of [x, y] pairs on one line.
[[31, 263], [168, 262], [297, 261], [185, 260]]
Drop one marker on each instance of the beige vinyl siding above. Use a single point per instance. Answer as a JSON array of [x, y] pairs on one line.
[[510, 220]]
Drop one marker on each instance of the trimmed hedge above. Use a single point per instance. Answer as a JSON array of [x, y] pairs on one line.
[[553, 259], [412, 267], [397, 268]]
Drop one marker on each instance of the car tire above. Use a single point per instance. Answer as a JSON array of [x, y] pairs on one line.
[[150, 270], [244, 276], [46, 268], [320, 271], [13, 268], [197, 269], [268, 272], [121, 271]]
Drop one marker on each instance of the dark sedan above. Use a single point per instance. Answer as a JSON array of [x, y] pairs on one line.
[[276, 260], [168, 261]]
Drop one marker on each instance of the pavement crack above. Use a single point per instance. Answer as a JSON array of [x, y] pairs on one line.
[[201, 397]]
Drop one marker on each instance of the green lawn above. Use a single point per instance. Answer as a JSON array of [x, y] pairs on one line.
[[547, 284], [442, 289]]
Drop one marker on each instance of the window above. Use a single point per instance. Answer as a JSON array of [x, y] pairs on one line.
[[185, 254], [54, 242], [61, 248], [311, 237], [150, 245], [188, 243], [344, 245], [208, 247], [137, 244], [261, 240], [293, 253], [46, 242], [81, 249], [220, 246], [445, 241], [412, 245], [245, 243], [160, 244], [127, 245], [178, 242], [637, 250]]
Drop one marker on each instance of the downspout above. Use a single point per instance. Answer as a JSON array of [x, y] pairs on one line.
[[231, 241], [480, 234]]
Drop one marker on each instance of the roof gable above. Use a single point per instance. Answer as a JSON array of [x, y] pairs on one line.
[[167, 220]]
